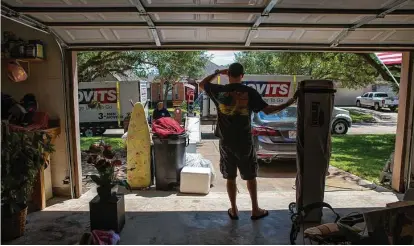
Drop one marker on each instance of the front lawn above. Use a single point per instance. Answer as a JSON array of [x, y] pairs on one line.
[[116, 143], [358, 117], [362, 155]]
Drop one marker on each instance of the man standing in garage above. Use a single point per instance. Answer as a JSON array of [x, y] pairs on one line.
[[235, 103]]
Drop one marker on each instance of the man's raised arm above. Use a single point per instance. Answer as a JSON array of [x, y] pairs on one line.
[[277, 108]]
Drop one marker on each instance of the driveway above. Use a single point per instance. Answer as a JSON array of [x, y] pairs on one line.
[[280, 176], [372, 129], [384, 115]]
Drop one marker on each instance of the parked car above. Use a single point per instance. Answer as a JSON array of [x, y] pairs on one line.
[[274, 135], [378, 100]]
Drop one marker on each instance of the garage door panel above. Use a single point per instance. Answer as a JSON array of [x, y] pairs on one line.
[[380, 36], [87, 17], [292, 35], [338, 4], [179, 35], [194, 17], [400, 36], [226, 35], [218, 3], [313, 18], [68, 3], [362, 36], [102, 34], [203, 34], [394, 19]]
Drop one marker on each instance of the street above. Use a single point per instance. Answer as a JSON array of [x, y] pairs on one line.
[[372, 129], [354, 130]]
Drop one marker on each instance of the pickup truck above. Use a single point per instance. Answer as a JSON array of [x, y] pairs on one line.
[[378, 100]]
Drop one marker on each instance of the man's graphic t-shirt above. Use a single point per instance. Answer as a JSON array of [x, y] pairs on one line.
[[235, 104]]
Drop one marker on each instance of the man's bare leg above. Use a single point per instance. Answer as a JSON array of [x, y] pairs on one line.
[[252, 187], [232, 192]]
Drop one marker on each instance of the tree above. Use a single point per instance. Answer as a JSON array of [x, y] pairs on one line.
[[168, 66], [351, 70], [99, 64]]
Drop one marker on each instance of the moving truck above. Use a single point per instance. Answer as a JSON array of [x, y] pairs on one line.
[[275, 89], [104, 105]]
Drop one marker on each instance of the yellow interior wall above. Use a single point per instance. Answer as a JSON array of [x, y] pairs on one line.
[[46, 83]]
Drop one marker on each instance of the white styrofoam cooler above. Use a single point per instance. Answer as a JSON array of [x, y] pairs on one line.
[[195, 180]]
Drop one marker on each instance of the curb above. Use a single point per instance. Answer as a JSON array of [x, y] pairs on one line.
[[376, 124]]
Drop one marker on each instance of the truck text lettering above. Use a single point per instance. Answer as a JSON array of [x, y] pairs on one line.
[[270, 88], [102, 95]]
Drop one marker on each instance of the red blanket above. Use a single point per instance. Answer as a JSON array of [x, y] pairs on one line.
[[166, 126]]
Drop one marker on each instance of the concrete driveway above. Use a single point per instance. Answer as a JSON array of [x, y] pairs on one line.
[[280, 176], [384, 115]]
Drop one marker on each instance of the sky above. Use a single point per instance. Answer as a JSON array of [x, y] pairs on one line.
[[222, 57]]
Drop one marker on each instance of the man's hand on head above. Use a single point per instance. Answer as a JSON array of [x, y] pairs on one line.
[[222, 71]]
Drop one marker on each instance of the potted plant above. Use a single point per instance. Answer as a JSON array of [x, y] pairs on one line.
[[103, 159], [107, 209], [22, 156]]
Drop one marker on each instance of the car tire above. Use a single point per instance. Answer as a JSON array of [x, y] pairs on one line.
[[393, 109], [358, 104], [340, 127], [377, 107], [89, 133]]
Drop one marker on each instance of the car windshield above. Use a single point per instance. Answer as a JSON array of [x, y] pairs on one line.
[[381, 95], [288, 114]]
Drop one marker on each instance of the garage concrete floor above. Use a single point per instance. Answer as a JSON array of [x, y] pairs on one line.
[[154, 217]]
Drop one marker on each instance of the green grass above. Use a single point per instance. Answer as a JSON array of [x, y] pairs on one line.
[[116, 143], [358, 117], [362, 155]]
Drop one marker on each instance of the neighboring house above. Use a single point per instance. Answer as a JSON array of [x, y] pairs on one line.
[[129, 76], [178, 92]]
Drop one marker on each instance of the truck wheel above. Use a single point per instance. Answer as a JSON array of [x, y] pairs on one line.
[[358, 104], [340, 127], [377, 107], [88, 133]]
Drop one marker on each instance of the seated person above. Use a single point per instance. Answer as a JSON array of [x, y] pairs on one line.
[[160, 112]]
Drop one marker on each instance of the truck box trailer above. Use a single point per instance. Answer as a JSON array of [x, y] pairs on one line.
[[275, 89], [104, 105]]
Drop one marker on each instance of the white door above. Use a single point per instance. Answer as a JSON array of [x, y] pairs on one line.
[[370, 99], [363, 99]]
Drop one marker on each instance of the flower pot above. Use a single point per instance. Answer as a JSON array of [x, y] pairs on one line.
[[14, 225], [107, 215], [106, 192]]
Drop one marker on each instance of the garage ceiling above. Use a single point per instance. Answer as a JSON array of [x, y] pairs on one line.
[[224, 24]]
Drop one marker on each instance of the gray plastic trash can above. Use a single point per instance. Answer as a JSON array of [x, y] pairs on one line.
[[169, 159]]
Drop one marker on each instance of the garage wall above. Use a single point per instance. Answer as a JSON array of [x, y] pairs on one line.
[[46, 82]]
